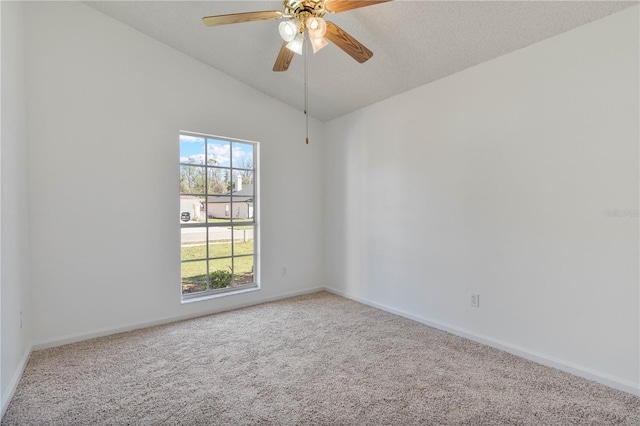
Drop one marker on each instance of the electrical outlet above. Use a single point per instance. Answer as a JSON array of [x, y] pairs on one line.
[[475, 300], [284, 271]]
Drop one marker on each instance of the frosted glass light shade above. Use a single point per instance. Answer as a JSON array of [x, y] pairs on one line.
[[318, 43], [289, 29], [296, 44], [317, 27]]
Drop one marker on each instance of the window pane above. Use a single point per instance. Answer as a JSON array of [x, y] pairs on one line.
[[246, 177], [243, 195], [194, 277], [191, 209], [219, 241], [218, 207], [243, 273], [240, 221], [218, 153], [193, 243], [218, 181], [242, 155], [191, 149], [219, 201], [192, 179], [219, 273], [242, 240]]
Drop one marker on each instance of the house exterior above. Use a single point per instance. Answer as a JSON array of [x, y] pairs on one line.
[[193, 206], [237, 204]]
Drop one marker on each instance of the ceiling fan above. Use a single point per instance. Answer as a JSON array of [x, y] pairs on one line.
[[305, 14]]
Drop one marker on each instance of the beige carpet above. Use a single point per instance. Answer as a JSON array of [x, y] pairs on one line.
[[315, 359]]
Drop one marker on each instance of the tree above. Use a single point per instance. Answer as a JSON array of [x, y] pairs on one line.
[[192, 179], [247, 175], [230, 184], [214, 181]]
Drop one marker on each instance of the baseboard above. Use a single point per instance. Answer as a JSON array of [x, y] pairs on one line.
[[577, 370], [73, 338], [13, 385]]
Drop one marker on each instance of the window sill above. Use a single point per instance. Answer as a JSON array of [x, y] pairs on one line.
[[218, 295]]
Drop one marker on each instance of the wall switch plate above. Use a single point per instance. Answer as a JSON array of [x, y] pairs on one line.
[[475, 300]]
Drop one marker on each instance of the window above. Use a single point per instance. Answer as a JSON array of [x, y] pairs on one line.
[[218, 209]]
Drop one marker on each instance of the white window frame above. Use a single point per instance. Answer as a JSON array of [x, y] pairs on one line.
[[234, 289]]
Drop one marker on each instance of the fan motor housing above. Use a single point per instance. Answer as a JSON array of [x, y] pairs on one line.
[[302, 9]]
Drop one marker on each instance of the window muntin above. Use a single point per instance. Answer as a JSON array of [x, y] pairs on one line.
[[218, 214]]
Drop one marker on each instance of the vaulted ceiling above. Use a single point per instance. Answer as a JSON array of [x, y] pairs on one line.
[[414, 43]]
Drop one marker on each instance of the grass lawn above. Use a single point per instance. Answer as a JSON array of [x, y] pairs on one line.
[[194, 274], [221, 248]]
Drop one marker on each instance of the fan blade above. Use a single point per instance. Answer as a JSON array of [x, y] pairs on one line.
[[235, 18], [284, 58], [337, 6], [350, 45]]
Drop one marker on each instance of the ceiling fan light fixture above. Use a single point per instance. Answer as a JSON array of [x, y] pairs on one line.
[[316, 27], [289, 29], [318, 43], [296, 44]]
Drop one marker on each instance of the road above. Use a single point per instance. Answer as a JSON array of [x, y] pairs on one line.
[[191, 235]]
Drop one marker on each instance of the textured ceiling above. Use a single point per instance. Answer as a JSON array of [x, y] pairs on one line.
[[414, 43]]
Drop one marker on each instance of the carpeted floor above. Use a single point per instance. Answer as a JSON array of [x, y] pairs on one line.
[[316, 359]]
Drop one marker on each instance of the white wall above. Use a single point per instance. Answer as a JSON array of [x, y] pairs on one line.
[[496, 180], [14, 231], [104, 107]]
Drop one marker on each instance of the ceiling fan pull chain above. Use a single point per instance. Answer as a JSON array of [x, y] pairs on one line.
[[306, 87]]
